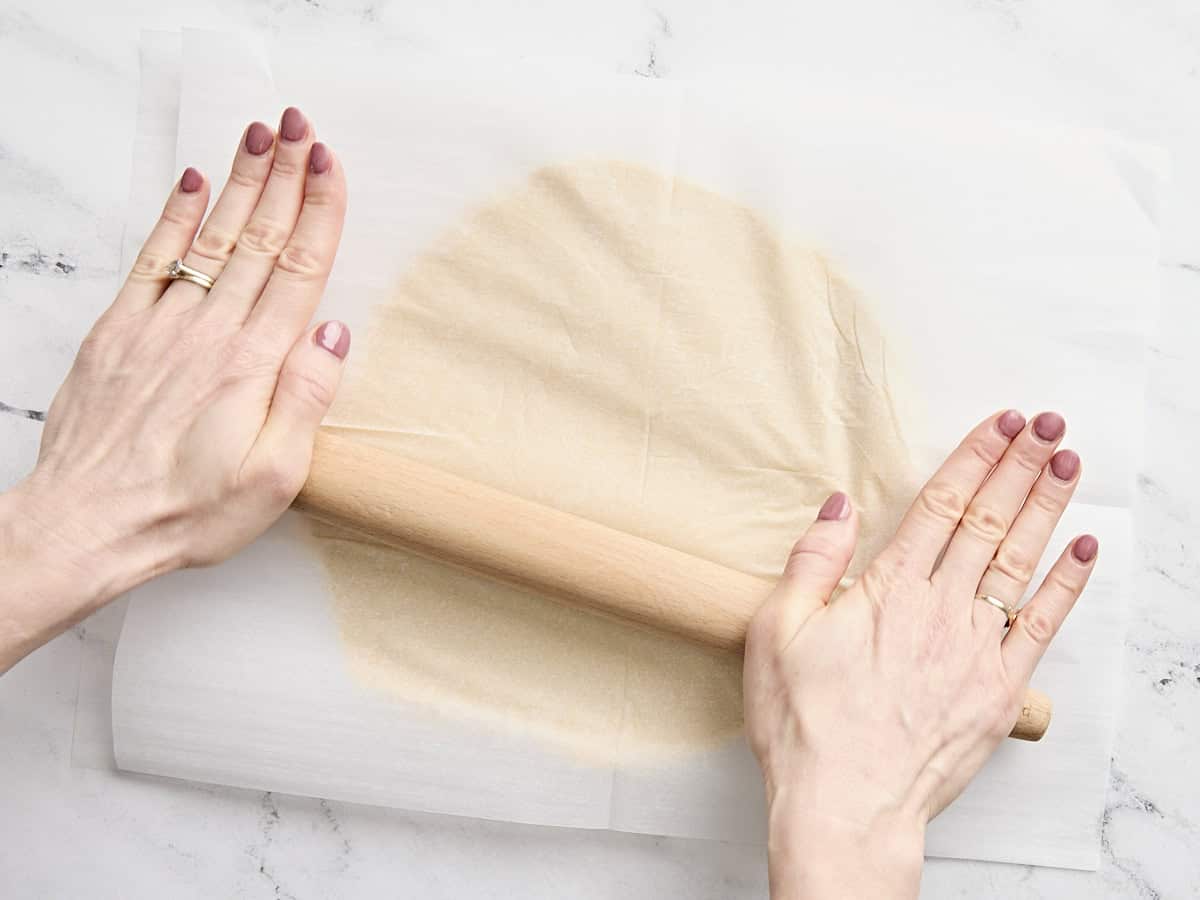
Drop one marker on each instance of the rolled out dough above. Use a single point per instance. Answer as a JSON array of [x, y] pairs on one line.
[[632, 348]]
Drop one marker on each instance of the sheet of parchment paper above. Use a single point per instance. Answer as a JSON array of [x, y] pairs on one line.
[[1006, 265]]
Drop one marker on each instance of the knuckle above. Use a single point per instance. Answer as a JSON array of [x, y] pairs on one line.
[[287, 167], [1028, 457], [264, 237], [279, 482], [301, 262], [1013, 562], [179, 219], [811, 549], [214, 244], [986, 523], [984, 450], [247, 359], [92, 353], [940, 625], [1038, 626], [1047, 503], [149, 266], [307, 389], [244, 178], [189, 344], [877, 582], [1060, 582], [943, 501], [325, 196]]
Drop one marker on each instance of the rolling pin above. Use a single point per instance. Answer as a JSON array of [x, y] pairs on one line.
[[563, 557]]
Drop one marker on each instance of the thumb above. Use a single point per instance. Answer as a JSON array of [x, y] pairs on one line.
[[817, 563], [308, 382]]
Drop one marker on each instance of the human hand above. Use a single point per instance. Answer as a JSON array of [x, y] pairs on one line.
[[185, 426], [870, 714]]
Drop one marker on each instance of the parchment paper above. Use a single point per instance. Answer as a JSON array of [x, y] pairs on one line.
[[1011, 265]]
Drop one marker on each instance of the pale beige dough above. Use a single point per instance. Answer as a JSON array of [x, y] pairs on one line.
[[638, 350]]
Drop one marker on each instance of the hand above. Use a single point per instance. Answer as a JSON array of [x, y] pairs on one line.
[[185, 426], [870, 713]]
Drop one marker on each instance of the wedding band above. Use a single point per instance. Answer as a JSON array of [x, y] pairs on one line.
[[177, 271], [1010, 614]]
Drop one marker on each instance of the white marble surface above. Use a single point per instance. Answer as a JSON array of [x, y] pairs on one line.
[[71, 827]]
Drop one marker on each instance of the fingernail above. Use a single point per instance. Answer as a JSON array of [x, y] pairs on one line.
[[191, 181], [259, 138], [320, 159], [1084, 549], [1049, 426], [293, 126], [1064, 464], [1010, 423], [835, 508], [334, 337]]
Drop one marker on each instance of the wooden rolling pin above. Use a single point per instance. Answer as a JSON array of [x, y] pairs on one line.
[[566, 558]]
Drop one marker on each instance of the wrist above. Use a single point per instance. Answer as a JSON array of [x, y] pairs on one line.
[[65, 553], [816, 854], [105, 539]]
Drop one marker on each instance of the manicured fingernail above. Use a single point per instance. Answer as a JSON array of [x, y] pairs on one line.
[[1010, 423], [259, 138], [1049, 426], [320, 159], [334, 337], [191, 181], [1084, 549], [835, 508], [293, 126], [1064, 464]]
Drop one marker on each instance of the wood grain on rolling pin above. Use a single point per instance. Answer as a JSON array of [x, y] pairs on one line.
[[562, 556]]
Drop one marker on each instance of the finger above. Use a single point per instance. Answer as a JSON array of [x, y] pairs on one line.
[[940, 505], [215, 243], [306, 387], [1012, 568], [1040, 618], [296, 285], [168, 241], [993, 510], [271, 224], [814, 567]]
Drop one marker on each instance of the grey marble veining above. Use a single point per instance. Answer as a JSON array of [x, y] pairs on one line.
[[72, 827]]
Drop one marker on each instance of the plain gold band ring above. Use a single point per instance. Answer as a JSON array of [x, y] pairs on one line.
[[1010, 614], [178, 271]]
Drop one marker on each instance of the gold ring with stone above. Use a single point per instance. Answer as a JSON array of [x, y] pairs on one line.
[[179, 271], [1010, 614]]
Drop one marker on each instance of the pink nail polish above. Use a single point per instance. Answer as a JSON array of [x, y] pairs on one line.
[[1049, 426], [320, 159], [835, 508], [1085, 548], [259, 138], [191, 181], [1064, 464], [293, 126], [1010, 423], [334, 337]]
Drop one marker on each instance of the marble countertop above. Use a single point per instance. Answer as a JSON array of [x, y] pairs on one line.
[[74, 827]]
